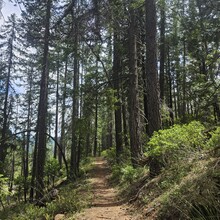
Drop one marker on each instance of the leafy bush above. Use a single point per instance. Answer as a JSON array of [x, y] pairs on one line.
[[52, 167], [85, 165], [173, 143], [52, 170], [70, 200], [116, 173], [214, 141], [126, 174], [122, 173], [110, 155], [129, 174], [30, 212], [67, 203], [4, 192]]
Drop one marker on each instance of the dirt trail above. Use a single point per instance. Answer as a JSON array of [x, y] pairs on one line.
[[105, 204]]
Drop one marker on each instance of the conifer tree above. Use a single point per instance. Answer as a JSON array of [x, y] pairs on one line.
[[8, 40]]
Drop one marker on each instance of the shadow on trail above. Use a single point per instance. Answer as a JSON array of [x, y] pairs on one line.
[[111, 204]]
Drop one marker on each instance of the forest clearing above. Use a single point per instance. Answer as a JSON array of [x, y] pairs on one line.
[[109, 109]]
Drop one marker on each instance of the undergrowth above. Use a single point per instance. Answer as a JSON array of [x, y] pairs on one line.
[[196, 196], [188, 186], [123, 174], [70, 200], [72, 197]]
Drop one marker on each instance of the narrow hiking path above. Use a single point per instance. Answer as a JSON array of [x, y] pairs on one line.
[[105, 203]]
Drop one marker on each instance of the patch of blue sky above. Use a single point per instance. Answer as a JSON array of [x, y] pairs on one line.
[[7, 8]]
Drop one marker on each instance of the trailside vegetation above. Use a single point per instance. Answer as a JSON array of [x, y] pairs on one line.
[[188, 183]]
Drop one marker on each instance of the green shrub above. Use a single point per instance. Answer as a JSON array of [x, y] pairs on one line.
[[110, 155], [4, 192], [85, 165], [126, 174], [173, 143], [23, 211], [65, 204], [116, 173], [31, 212], [52, 167], [214, 141], [129, 174], [70, 200]]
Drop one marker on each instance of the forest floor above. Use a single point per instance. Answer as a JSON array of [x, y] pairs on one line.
[[106, 203]]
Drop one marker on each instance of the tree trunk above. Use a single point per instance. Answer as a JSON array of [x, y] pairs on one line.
[[125, 124], [170, 105], [109, 142], [75, 105], [116, 84], [57, 107], [62, 138], [34, 168], [42, 109], [88, 145], [162, 48], [29, 115], [96, 125], [133, 98], [184, 72], [153, 103]]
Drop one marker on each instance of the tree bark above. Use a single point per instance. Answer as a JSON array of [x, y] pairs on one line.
[[116, 84], [133, 98], [29, 115], [125, 123], [184, 72], [153, 103], [170, 104], [42, 109], [162, 48], [95, 147], [62, 138], [57, 106], [96, 129], [75, 106]]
